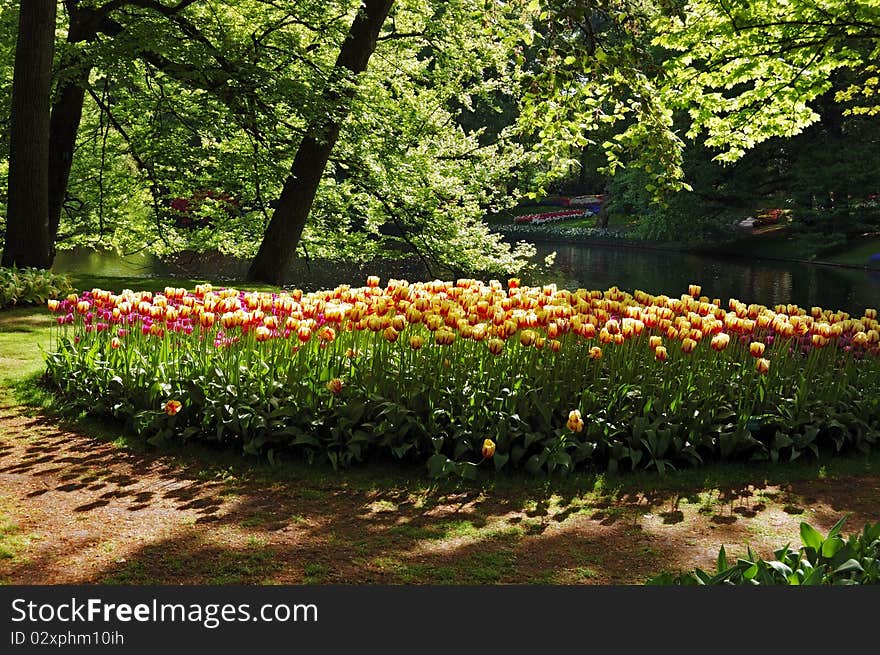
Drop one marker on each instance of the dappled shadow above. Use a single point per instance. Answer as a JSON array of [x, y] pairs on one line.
[[111, 515]]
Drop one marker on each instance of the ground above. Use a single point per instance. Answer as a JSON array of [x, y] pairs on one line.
[[81, 503]]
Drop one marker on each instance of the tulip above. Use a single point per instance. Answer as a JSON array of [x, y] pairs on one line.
[[488, 449], [334, 386], [527, 337], [115, 342], [444, 337], [660, 354], [53, 305], [762, 366], [495, 346], [373, 281], [172, 407], [688, 345], [654, 341], [871, 313], [694, 290], [263, 333], [390, 334], [756, 349], [416, 342], [575, 423], [720, 341], [819, 341], [595, 352]]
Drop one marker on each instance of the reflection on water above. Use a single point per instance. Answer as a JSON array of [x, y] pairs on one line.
[[765, 282], [307, 275], [576, 265]]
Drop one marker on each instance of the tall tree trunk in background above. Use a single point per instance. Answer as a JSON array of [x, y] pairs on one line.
[[289, 218], [67, 109], [27, 220]]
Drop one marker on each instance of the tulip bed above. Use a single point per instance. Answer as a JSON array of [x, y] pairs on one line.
[[467, 374]]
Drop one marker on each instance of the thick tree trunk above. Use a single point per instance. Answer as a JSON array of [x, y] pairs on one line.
[[63, 130], [289, 218], [27, 219]]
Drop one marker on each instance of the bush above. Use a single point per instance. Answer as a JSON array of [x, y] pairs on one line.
[[428, 372], [28, 286], [831, 560]]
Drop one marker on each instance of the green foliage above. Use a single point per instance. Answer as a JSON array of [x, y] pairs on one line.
[[214, 100], [828, 560], [29, 286], [748, 72]]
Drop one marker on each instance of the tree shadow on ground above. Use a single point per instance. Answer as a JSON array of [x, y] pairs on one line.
[[109, 515]]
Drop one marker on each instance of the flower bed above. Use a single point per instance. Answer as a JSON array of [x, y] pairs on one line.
[[548, 217], [459, 375]]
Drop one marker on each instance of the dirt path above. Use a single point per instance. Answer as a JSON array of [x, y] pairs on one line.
[[89, 512]]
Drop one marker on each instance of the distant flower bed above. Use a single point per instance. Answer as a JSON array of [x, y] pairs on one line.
[[548, 217], [563, 232], [29, 286], [460, 375]]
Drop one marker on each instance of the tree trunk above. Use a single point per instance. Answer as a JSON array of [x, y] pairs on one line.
[[602, 215], [298, 193], [27, 220], [63, 130]]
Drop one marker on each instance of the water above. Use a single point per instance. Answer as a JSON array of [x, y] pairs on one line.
[[577, 265], [766, 282]]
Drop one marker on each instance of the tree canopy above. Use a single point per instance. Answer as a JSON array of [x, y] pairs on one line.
[[176, 123]]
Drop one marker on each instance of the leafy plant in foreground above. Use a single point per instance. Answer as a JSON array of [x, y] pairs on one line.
[[829, 560], [30, 286]]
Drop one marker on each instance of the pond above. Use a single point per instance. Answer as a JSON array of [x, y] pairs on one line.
[[577, 265], [767, 282]]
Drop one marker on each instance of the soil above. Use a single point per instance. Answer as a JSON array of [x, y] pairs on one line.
[[89, 511]]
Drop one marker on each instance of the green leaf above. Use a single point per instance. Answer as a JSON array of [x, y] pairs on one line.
[[810, 537], [837, 527], [500, 459], [721, 564], [848, 566], [437, 465], [831, 546]]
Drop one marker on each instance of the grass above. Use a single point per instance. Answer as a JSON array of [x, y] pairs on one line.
[[858, 253], [12, 541]]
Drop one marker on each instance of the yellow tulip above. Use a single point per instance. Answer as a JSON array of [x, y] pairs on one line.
[[575, 423]]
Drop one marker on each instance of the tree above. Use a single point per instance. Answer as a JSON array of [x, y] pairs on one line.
[[292, 210], [647, 73], [27, 223], [749, 71]]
